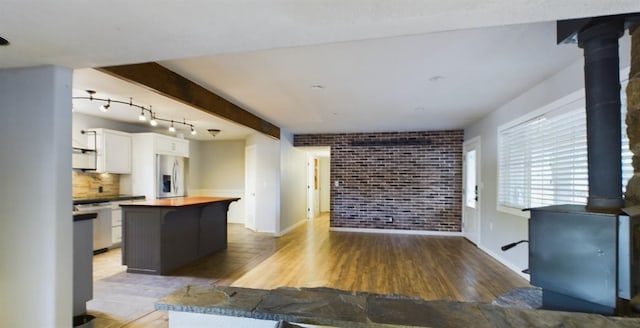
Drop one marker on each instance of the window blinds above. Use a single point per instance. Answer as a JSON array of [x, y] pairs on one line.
[[543, 161]]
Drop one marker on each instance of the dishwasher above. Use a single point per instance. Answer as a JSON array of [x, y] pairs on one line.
[[101, 225]]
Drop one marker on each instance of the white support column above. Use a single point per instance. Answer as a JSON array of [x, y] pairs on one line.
[[35, 174]]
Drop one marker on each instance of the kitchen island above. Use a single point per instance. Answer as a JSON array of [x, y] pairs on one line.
[[162, 235]]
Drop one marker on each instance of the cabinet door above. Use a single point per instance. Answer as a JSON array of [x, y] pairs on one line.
[[116, 236], [182, 148], [117, 153], [116, 217], [172, 146]]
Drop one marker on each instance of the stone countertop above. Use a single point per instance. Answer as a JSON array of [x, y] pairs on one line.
[[181, 202], [84, 201], [325, 306]]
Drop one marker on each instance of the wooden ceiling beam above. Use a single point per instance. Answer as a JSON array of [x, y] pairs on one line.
[[163, 81]]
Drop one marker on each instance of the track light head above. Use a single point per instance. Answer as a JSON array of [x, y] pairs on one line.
[[105, 108], [142, 118], [193, 131], [91, 93], [171, 128]]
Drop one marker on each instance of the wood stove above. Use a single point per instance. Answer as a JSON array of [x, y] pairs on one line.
[[586, 258], [584, 261]]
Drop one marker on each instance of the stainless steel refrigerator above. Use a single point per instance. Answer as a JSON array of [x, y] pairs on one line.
[[170, 176]]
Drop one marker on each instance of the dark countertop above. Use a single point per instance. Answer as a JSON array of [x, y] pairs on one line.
[[337, 308], [181, 202], [82, 216], [83, 201]]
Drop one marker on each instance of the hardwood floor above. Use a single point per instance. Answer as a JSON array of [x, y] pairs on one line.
[[429, 267], [448, 268]]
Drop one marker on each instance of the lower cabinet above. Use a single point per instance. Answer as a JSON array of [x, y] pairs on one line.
[[82, 265], [116, 223], [116, 227]]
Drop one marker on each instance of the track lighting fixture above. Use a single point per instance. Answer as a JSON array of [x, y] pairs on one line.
[[153, 118], [153, 121], [105, 108]]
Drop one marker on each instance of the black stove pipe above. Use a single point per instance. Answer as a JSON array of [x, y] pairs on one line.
[[602, 91]]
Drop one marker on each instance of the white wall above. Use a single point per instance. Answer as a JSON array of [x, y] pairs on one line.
[[222, 164], [217, 170], [293, 191], [267, 211], [325, 184], [498, 228], [36, 232]]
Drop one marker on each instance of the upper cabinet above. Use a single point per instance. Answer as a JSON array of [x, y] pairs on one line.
[[166, 145], [113, 149], [154, 143]]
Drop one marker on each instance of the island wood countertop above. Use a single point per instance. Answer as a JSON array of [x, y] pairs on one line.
[[181, 201]]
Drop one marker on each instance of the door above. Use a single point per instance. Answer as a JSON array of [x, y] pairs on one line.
[[250, 187], [313, 187], [471, 190]]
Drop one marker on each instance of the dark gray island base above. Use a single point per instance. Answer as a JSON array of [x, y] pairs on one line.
[[162, 235]]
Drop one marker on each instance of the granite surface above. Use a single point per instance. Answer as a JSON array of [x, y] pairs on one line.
[[523, 298], [100, 199], [331, 307]]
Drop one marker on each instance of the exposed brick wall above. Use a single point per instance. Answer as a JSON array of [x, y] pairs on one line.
[[419, 185]]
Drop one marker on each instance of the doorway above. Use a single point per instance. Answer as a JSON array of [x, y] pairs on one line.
[[313, 187], [470, 190], [250, 187], [318, 181]]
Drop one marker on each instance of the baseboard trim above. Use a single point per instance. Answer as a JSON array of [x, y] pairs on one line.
[[399, 232], [506, 263], [287, 230]]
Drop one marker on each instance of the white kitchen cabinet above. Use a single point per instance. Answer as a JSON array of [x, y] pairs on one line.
[[171, 146], [116, 224], [113, 151]]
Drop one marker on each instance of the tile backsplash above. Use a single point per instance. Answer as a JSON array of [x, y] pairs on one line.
[[87, 185]]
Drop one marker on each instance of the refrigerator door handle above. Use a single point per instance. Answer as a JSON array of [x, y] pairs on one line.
[[174, 178]]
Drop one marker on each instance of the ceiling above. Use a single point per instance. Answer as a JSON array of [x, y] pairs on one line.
[[381, 65]]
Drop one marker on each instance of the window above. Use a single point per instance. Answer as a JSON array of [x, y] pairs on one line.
[[542, 160]]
